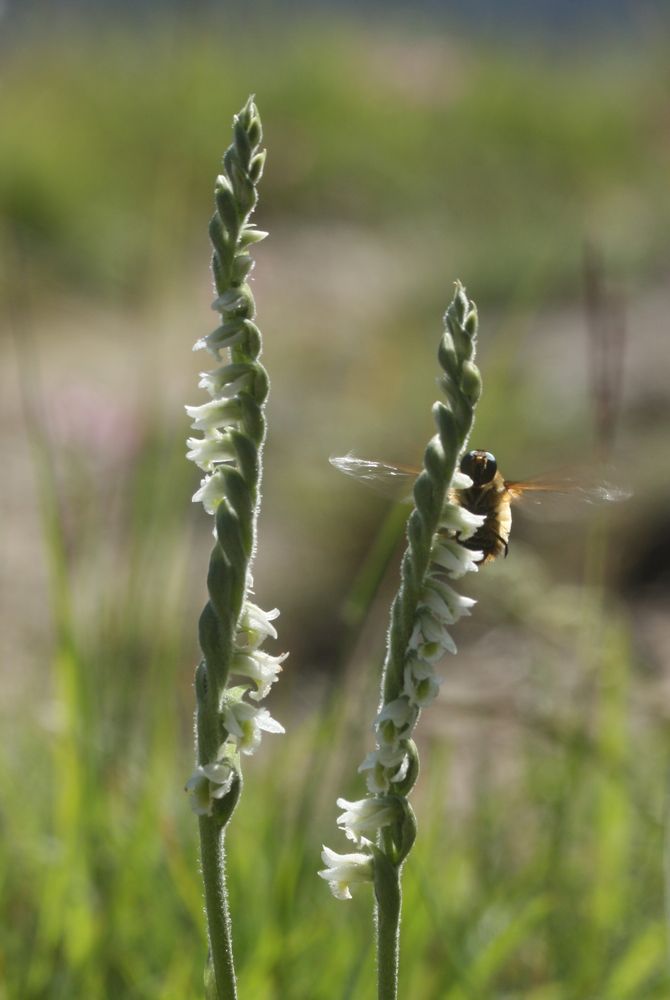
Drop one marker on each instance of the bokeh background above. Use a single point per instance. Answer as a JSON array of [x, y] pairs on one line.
[[523, 148]]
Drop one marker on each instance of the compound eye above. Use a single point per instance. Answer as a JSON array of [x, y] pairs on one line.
[[469, 464], [487, 468], [480, 466]]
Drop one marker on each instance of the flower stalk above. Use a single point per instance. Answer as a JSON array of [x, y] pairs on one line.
[[383, 825], [231, 428]]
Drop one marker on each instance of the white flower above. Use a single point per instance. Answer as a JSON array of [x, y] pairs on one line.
[[396, 719], [226, 335], [460, 481], [254, 626], [430, 639], [361, 820], [445, 604], [343, 870], [231, 299], [208, 783], [460, 521], [215, 413], [245, 722], [261, 668], [212, 491], [385, 764], [455, 559], [225, 381], [421, 684], [214, 447]]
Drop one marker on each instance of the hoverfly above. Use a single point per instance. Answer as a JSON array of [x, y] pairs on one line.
[[490, 494]]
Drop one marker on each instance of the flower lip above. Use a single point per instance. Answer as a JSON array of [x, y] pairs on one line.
[[210, 451], [344, 870], [254, 626], [454, 559], [460, 521], [214, 414], [421, 685], [208, 783], [364, 818], [244, 722], [212, 491], [260, 667], [384, 765]]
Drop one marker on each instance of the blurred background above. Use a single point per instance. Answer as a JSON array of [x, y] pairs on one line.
[[523, 148]]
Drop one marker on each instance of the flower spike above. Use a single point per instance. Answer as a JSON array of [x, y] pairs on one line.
[[383, 824], [227, 447]]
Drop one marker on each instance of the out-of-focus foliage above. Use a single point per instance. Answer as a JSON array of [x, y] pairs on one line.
[[536, 872], [109, 137]]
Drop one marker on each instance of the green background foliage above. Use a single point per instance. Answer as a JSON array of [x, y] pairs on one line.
[[399, 159]]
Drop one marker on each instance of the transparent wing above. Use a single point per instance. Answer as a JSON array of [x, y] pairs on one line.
[[563, 497], [394, 481], [556, 498]]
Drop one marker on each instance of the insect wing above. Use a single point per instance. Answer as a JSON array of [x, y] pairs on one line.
[[389, 480], [562, 498]]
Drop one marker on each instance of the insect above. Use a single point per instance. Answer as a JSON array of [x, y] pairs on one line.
[[490, 494]]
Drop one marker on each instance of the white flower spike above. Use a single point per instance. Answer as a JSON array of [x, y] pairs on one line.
[[229, 450], [438, 533]]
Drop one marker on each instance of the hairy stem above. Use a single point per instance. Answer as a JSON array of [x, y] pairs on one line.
[[213, 857], [388, 895]]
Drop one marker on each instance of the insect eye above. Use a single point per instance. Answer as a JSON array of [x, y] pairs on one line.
[[488, 468], [468, 464], [480, 466]]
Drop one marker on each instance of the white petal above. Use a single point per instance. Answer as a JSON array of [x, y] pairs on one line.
[[211, 493], [362, 819], [255, 626], [267, 723], [421, 685], [461, 482], [460, 520], [210, 450], [345, 869], [216, 413], [455, 559], [224, 381]]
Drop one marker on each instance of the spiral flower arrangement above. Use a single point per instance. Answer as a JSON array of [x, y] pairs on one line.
[[232, 628], [383, 825]]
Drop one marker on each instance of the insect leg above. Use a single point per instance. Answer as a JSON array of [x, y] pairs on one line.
[[504, 543]]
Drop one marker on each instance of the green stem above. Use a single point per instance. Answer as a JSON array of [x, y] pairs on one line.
[[388, 895], [221, 970], [213, 857]]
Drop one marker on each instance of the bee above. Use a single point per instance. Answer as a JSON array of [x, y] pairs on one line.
[[489, 494]]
